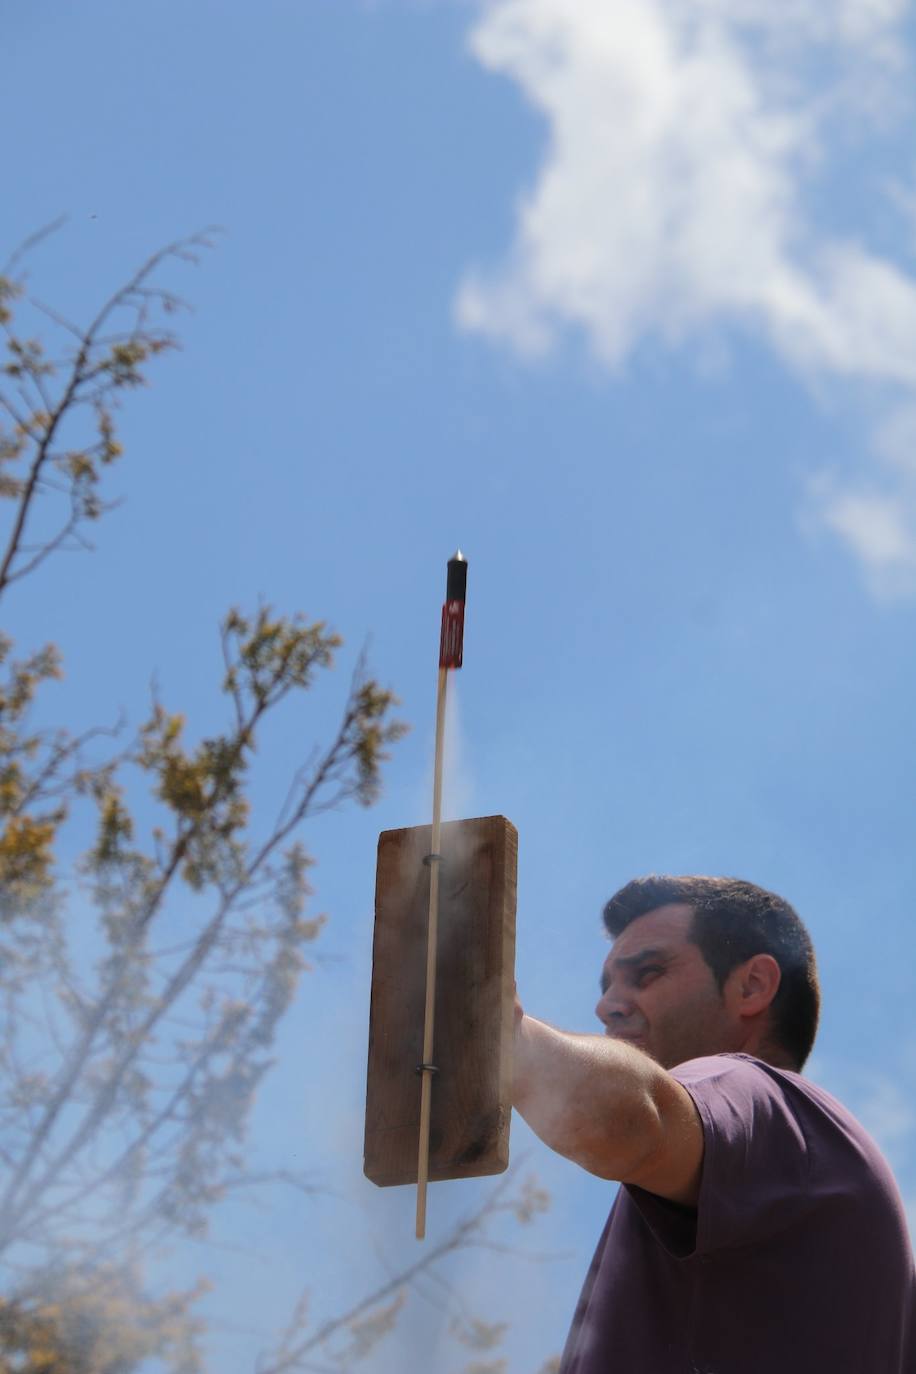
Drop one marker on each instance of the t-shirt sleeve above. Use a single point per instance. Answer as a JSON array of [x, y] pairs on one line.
[[756, 1160]]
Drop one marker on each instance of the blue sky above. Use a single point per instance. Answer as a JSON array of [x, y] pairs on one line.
[[623, 301]]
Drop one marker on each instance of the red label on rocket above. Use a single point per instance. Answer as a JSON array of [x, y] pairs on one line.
[[451, 641]]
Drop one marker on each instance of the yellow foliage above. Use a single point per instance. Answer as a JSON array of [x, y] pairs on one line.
[[99, 1323], [25, 852]]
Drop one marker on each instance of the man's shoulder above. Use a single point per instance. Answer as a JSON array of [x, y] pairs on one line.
[[733, 1073], [741, 1081], [746, 1074], [736, 1067]]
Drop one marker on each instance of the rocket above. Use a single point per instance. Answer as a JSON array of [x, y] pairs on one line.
[[451, 640]]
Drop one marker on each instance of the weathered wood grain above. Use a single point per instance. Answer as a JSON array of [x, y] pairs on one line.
[[471, 1095]]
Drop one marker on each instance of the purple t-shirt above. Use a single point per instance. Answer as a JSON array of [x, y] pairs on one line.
[[797, 1259]]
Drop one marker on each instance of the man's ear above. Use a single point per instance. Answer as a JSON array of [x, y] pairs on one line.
[[753, 985]]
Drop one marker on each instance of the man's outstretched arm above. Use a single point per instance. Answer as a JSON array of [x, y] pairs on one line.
[[608, 1107]]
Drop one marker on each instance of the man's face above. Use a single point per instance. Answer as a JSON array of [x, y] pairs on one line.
[[659, 993]]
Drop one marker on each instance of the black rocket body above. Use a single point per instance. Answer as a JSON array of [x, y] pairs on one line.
[[451, 640]]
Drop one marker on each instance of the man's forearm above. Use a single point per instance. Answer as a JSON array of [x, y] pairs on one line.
[[588, 1097]]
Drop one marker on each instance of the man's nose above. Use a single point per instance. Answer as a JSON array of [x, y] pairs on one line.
[[613, 1007]]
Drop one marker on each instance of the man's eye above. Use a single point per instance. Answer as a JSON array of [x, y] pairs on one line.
[[646, 970]]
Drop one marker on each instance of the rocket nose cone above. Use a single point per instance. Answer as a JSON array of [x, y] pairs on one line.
[[457, 581]]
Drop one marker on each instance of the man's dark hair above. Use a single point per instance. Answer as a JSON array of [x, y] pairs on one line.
[[732, 921]]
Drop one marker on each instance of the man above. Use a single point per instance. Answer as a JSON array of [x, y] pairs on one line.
[[758, 1229]]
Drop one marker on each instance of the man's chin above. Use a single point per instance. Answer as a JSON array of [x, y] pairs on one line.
[[638, 1042]]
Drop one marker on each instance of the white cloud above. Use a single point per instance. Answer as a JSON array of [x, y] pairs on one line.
[[883, 1103], [672, 199], [875, 515], [869, 24], [895, 441], [874, 525], [887, 1113]]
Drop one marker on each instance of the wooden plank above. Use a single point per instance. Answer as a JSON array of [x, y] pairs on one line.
[[472, 1092]]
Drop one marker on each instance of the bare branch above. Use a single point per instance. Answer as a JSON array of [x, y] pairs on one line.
[[31, 242], [465, 1234], [117, 368]]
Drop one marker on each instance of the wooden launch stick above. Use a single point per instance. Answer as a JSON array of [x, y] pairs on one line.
[[434, 859], [443, 960], [451, 654]]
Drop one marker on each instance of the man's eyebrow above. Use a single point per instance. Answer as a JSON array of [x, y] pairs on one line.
[[631, 960]]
